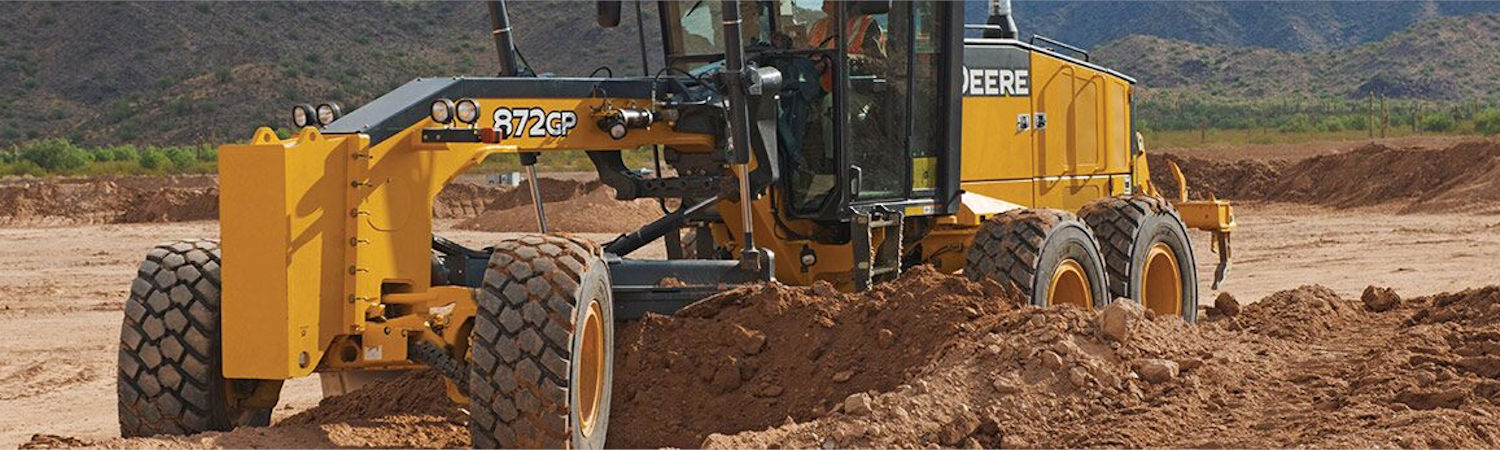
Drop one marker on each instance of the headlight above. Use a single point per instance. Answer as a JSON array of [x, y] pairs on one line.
[[328, 112], [467, 111], [302, 116], [442, 111]]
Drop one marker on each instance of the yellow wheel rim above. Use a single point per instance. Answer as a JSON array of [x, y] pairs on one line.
[[1163, 281], [590, 392], [1070, 286]]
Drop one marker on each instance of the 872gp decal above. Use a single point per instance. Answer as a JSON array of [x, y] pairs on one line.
[[533, 122]]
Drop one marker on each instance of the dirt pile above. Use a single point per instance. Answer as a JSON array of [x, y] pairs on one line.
[[1244, 179], [583, 208], [1464, 177], [177, 198], [411, 411], [936, 360], [763, 355], [1304, 313], [466, 200], [1044, 378], [73, 201]]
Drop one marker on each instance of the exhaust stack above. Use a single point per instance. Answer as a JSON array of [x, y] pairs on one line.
[[504, 44], [1000, 17]]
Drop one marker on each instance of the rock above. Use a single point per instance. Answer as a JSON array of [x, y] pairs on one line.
[[1378, 299], [885, 338], [955, 431], [858, 404], [727, 377], [1079, 377], [1006, 385], [1116, 321], [1156, 370], [1225, 305], [1065, 348], [770, 391], [824, 289], [749, 341], [843, 376], [1012, 441], [901, 413], [1050, 359]]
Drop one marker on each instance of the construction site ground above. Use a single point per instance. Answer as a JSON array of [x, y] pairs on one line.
[[932, 359]]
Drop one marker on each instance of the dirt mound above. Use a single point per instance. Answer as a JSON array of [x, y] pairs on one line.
[[418, 393], [761, 355], [72, 201], [1473, 307], [1044, 378], [410, 411], [1245, 179], [466, 200], [936, 360], [586, 208], [1464, 177], [1304, 312], [177, 198]]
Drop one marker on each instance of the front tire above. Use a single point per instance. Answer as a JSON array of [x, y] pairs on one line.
[[543, 346], [170, 361], [1148, 253], [1047, 254]]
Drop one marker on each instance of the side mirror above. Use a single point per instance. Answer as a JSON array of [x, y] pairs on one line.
[[609, 13]]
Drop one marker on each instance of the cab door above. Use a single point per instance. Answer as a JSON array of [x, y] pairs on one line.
[[894, 98], [1068, 121]]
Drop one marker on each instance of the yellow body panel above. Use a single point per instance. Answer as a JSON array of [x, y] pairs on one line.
[[327, 231], [1074, 148]]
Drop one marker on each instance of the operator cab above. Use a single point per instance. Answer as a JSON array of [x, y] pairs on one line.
[[869, 106]]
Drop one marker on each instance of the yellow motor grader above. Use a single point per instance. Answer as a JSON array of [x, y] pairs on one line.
[[841, 142]]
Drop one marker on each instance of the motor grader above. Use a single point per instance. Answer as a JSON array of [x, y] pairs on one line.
[[840, 142]]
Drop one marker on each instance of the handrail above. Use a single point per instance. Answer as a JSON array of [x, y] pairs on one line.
[[1038, 37]]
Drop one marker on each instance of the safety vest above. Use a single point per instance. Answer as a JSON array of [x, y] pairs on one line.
[[857, 27]]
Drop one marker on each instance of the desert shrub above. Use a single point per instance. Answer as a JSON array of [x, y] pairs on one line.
[[1296, 124], [152, 158], [182, 157], [1487, 122], [55, 155], [1437, 122]]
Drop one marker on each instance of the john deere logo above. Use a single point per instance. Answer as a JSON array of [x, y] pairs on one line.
[[1001, 82]]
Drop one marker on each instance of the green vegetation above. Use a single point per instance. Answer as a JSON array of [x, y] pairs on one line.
[[1488, 122], [1183, 121], [59, 156], [1437, 122]]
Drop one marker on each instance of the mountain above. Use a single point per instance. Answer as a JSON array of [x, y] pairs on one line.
[[210, 72], [176, 72], [1282, 25], [1454, 58]]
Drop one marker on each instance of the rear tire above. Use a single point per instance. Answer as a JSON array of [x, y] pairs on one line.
[[1047, 254], [543, 346], [1147, 253], [170, 361]]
